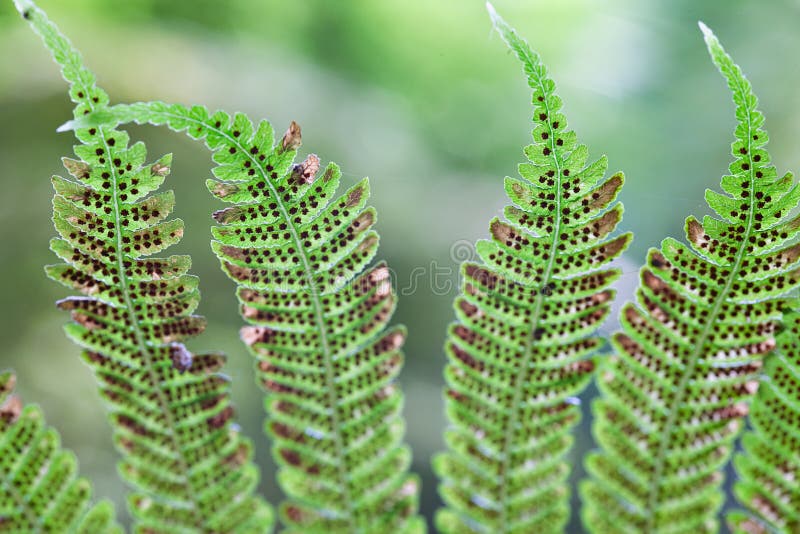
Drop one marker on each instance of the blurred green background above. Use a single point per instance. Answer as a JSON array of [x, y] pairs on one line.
[[419, 95]]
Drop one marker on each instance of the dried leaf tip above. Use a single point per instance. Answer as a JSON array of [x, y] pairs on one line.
[[8, 382], [159, 169], [292, 138], [10, 405], [306, 170]]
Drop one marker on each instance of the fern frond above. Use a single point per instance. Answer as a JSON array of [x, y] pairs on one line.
[[769, 466], [521, 349], [690, 350], [170, 409], [39, 490], [318, 322], [317, 326]]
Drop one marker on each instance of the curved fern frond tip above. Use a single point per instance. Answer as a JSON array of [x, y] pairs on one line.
[[521, 350], [688, 358], [170, 409], [39, 487], [769, 465]]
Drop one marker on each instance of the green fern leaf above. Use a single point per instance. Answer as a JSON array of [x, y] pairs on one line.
[[769, 467], [521, 348], [170, 409], [317, 326], [689, 353], [317, 321], [318, 332], [39, 491]]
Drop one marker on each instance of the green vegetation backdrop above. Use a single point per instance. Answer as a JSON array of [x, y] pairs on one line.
[[420, 96]]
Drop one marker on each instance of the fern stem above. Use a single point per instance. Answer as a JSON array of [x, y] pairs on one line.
[[147, 355], [699, 346], [518, 384], [330, 374]]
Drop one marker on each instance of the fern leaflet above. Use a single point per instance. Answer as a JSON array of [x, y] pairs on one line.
[[769, 467], [689, 353], [170, 409], [519, 352], [317, 326], [39, 491]]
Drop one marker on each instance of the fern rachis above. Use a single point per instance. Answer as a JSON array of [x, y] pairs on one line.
[[519, 351], [688, 356]]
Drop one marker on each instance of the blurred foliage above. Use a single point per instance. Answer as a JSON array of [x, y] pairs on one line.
[[420, 96]]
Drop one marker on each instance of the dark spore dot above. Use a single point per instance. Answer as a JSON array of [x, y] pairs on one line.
[[26, 14], [538, 333], [237, 133], [232, 150], [112, 141], [80, 94], [217, 124], [95, 99], [92, 131]]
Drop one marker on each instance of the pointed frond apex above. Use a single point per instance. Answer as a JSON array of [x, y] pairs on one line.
[[39, 487], [522, 347], [688, 358], [171, 413]]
